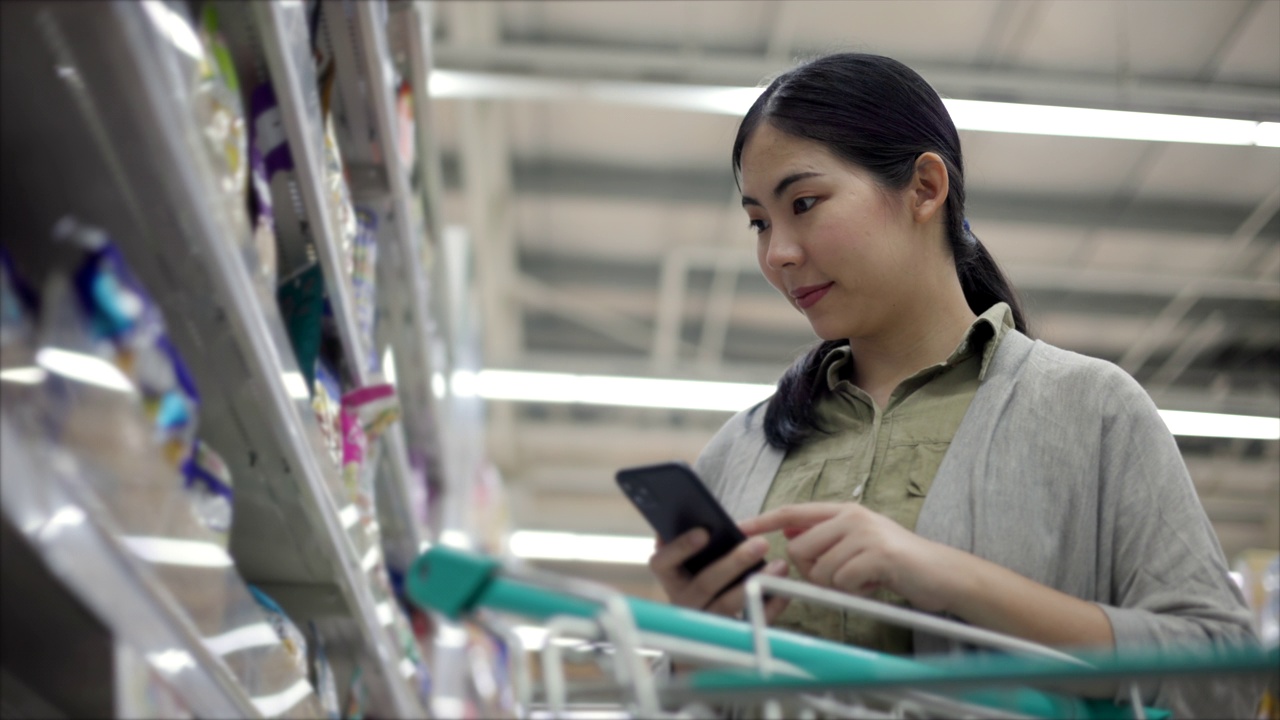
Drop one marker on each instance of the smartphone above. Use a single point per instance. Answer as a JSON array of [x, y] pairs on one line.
[[674, 500]]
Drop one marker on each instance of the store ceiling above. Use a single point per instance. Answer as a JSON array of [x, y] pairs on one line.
[[608, 235]]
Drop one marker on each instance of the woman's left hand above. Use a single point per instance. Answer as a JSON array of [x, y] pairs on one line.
[[847, 547]]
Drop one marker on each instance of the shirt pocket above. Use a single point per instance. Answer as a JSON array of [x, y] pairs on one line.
[[901, 485], [839, 481]]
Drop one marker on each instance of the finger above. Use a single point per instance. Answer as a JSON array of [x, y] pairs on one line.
[[792, 516], [667, 559], [807, 547], [775, 607], [731, 604], [719, 574], [835, 558], [861, 575]]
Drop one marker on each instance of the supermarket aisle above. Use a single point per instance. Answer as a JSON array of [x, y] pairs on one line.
[[215, 269]]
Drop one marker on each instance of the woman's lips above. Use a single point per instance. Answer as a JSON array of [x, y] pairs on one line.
[[807, 297]]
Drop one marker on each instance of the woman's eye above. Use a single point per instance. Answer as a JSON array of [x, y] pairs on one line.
[[758, 225], [803, 205]]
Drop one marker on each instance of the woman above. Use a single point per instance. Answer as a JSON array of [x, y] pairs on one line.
[[927, 452]]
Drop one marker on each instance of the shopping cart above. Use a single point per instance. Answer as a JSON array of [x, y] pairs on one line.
[[749, 669]]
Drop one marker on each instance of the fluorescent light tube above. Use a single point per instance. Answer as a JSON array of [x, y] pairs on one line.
[[1198, 424], [609, 390], [976, 115], [539, 545], [524, 386]]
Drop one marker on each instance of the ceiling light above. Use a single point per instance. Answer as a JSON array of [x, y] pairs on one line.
[[1004, 117], [609, 390], [539, 545], [524, 386], [1200, 424], [976, 115]]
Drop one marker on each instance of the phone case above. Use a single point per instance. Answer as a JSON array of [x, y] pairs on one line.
[[674, 500]]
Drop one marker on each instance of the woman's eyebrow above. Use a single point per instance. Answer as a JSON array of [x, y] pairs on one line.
[[782, 185]]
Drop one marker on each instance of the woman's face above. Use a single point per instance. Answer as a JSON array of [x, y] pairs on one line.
[[830, 239]]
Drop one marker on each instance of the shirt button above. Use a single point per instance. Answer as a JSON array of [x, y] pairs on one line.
[[857, 492]]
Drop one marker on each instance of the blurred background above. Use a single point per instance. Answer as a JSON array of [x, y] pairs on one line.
[[585, 157]]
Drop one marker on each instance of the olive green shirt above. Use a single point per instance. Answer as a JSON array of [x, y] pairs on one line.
[[884, 458]]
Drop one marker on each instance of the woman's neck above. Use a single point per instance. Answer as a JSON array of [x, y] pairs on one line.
[[921, 336]]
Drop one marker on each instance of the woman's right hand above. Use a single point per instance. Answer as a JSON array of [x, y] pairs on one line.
[[699, 592]]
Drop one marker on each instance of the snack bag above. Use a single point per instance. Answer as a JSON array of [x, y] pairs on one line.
[[326, 401], [301, 299], [219, 112], [127, 325], [322, 676], [208, 482], [344, 215], [295, 644], [364, 280], [16, 305], [263, 217]]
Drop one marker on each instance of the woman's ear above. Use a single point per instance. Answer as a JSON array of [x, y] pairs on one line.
[[927, 194]]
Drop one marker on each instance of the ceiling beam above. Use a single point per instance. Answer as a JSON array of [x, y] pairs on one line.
[[654, 64], [1186, 298], [544, 178]]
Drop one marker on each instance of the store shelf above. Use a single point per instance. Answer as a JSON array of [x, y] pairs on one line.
[[287, 48], [78, 543], [380, 183], [103, 87]]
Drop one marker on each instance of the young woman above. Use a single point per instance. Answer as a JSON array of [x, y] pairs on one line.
[[927, 452]]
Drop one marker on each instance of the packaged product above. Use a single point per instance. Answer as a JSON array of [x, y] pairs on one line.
[[376, 406], [301, 299], [355, 697], [208, 483], [219, 113], [295, 644], [127, 327], [16, 304], [326, 401], [263, 217], [405, 123], [294, 254], [355, 479], [339, 196], [364, 281], [322, 675]]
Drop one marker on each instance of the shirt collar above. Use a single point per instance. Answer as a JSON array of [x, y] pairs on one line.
[[986, 332]]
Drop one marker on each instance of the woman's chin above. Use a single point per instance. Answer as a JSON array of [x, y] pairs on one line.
[[827, 331]]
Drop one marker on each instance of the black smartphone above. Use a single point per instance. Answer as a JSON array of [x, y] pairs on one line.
[[674, 500]]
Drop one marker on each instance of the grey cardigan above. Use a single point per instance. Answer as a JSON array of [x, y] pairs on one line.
[[1063, 471]]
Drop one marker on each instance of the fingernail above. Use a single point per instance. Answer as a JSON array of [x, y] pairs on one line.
[[777, 567], [698, 538], [759, 546]]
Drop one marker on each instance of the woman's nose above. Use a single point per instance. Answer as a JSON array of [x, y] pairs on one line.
[[783, 250]]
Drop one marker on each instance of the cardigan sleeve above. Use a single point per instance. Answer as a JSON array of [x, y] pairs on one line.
[[1168, 576]]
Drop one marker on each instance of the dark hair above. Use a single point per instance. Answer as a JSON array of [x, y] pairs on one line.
[[879, 115]]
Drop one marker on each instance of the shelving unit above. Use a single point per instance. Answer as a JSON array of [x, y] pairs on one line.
[[380, 182], [55, 515], [108, 136]]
